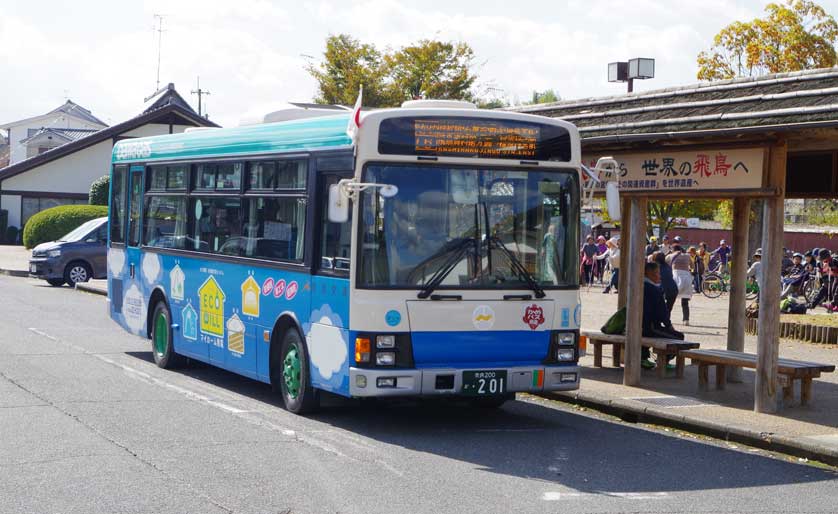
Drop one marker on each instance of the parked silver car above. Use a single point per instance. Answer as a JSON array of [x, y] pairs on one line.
[[77, 257]]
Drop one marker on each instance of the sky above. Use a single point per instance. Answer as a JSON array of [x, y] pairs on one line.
[[251, 54]]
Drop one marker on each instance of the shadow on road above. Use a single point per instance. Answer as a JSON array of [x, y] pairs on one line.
[[534, 441]]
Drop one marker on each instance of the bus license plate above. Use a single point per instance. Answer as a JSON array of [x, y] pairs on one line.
[[480, 383]]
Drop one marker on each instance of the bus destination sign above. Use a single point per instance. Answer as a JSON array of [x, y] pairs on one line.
[[473, 138]]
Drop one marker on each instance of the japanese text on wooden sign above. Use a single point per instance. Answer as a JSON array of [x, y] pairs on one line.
[[688, 171]]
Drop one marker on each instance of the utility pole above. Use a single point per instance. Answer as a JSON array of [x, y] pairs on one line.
[[200, 92], [159, 30]]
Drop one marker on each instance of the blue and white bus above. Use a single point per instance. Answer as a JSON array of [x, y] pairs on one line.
[[434, 253]]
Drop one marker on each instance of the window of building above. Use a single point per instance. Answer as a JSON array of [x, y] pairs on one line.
[[165, 222], [31, 205]]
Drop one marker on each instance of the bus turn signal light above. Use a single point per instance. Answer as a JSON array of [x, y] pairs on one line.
[[362, 349]]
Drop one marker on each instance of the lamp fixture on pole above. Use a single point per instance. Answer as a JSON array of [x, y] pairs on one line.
[[638, 68]]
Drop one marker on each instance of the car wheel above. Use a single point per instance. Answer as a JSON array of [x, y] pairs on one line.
[[295, 383], [77, 271], [55, 282], [161, 338]]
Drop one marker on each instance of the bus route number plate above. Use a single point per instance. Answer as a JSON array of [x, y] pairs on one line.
[[483, 383]]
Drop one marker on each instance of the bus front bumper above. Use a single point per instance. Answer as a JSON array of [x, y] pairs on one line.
[[440, 381]]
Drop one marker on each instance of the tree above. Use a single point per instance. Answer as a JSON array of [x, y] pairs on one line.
[[544, 97], [347, 66], [794, 35], [665, 214], [431, 69], [99, 191], [426, 69]]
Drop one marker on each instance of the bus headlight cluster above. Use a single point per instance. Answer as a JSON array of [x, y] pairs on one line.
[[385, 341], [385, 358], [567, 338]]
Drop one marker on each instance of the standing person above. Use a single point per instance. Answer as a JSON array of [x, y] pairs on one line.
[[587, 254], [601, 249], [755, 271], [829, 274], [613, 257], [697, 268], [723, 252], [665, 247], [670, 288], [680, 263], [652, 247]]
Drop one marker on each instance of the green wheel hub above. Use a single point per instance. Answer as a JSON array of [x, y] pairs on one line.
[[291, 371], [161, 334]]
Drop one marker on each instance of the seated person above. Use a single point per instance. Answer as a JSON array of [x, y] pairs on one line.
[[656, 321]]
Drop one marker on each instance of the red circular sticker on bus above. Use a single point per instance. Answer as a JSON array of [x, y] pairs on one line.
[[279, 288], [267, 286], [534, 316], [291, 291]]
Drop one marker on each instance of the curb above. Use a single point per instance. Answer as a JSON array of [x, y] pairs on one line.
[[14, 272], [91, 289], [635, 414]]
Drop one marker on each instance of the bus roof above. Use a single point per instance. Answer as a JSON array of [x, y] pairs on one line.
[[288, 136]]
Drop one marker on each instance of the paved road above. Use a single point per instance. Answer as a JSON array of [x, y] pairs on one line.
[[88, 424]]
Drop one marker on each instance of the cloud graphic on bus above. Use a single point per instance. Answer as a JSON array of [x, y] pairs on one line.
[[327, 341], [116, 261], [151, 267]]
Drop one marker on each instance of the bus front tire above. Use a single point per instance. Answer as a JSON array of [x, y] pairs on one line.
[[293, 375], [162, 347]]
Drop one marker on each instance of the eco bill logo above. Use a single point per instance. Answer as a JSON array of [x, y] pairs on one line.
[[177, 278], [250, 297], [212, 307], [483, 317], [235, 334], [189, 322]]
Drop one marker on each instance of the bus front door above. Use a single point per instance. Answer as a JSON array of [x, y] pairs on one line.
[[134, 305]]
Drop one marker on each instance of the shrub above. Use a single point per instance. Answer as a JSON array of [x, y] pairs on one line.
[[53, 223], [99, 191], [11, 235]]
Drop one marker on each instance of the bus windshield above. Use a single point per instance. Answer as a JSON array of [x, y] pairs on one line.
[[469, 227]]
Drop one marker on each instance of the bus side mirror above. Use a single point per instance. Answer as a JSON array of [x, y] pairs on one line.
[[612, 200], [338, 204]]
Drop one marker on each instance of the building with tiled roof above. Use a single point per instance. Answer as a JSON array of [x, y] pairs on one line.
[[62, 174]]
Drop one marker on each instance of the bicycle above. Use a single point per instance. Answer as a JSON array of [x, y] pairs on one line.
[[713, 284]]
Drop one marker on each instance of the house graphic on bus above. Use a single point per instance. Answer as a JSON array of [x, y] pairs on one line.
[[189, 321], [212, 307], [177, 278], [250, 297]]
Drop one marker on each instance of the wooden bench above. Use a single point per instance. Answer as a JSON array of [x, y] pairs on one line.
[[788, 370], [662, 348]]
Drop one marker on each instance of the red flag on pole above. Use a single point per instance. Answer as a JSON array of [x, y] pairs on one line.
[[355, 120]]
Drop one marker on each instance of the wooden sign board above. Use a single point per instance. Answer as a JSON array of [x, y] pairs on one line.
[[698, 170]]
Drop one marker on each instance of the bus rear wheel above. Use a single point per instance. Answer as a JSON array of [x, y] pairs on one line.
[[293, 376], [162, 347]]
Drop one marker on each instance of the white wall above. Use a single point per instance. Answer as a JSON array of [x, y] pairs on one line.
[[12, 204], [20, 131]]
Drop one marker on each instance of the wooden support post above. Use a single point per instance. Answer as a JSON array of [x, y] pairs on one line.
[[721, 377], [625, 237], [597, 353], [635, 256], [768, 338], [703, 375], [805, 390], [616, 350], [736, 311], [679, 365], [660, 358]]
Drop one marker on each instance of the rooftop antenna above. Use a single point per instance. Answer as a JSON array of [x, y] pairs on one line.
[[159, 30], [200, 92]]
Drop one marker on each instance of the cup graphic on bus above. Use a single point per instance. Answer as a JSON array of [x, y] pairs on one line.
[[235, 334], [483, 317]]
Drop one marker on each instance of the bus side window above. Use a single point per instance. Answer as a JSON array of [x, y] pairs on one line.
[[119, 192], [335, 238]]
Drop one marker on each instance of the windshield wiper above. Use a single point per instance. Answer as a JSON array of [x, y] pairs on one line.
[[436, 279], [517, 266]]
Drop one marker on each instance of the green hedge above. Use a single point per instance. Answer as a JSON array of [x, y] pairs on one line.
[[53, 223]]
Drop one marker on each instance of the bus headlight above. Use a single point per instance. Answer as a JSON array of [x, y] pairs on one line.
[[567, 338], [386, 341], [385, 358], [565, 354]]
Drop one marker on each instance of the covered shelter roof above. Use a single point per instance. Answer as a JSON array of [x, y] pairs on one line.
[[779, 102]]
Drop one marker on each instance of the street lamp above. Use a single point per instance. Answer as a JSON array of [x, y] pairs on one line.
[[638, 68]]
